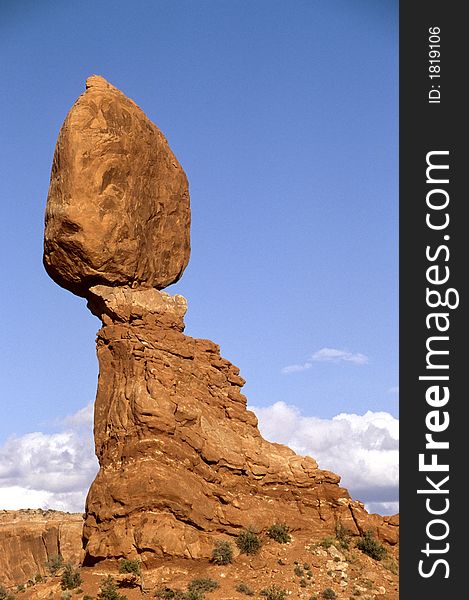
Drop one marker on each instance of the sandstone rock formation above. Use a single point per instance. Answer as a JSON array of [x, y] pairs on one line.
[[182, 462], [28, 538], [118, 206]]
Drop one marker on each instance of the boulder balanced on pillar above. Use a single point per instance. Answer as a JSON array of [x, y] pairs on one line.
[[182, 462]]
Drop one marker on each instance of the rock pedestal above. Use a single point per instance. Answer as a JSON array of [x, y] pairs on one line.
[[182, 462]]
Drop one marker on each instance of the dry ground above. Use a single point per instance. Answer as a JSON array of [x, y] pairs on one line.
[[302, 567]]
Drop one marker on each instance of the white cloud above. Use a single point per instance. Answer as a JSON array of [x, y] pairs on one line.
[[334, 355], [39, 470], [328, 355], [363, 449], [82, 418]]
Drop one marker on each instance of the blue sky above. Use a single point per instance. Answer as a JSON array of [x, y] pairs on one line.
[[284, 117]]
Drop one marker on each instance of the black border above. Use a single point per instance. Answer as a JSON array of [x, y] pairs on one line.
[[425, 127]]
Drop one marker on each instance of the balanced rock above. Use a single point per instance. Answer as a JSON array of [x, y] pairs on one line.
[[182, 461], [118, 206]]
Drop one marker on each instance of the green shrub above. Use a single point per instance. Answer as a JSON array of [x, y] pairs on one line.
[[189, 595], [343, 536], [222, 553], [71, 578], [326, 542], [165, 594], [280, 533], [5, 594], [242, 588], [298, 571], [328, 594], [274, 593], [196, 591], [205, 584], [108, 590], [38, 578], [248, 542], [370, 546], [54, 563], [130, 566]]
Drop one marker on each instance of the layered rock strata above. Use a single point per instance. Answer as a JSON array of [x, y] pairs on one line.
[[29, 538], [182, 460]]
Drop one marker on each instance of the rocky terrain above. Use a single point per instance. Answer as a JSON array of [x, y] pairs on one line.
[[304, 567], [183, 466], [28, 538]]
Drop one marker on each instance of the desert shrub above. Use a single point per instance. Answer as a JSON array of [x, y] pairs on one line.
[[369, 545], [249, 542], [38, 578], [303, 582], [328, 594], [54, 563], [165, 594], [313, 597], [5, 594], [87, 597], [66, 596], [306, 566], [71, 578], [298, 571], [108, 590], [280, 533], [343, 536], [20, 587], [326, 542], [130, 566], [190, 595], [222, 553], [242, 588], [274, 593], [205, 584]]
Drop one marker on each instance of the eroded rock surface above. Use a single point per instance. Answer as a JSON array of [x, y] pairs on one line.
[[118, 206], [182, 460], [28, 538]]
